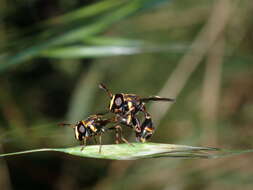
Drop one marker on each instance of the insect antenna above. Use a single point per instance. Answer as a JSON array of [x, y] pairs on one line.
[[157, 98], [103, 87], [102, 113], [66, 124]]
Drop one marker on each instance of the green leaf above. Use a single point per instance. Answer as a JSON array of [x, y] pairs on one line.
[[139, 151]]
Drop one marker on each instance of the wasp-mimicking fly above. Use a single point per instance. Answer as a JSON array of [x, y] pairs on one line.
[[127, 106], [93, 126]]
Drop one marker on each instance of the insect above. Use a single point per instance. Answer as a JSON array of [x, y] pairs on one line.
[[127, 106], [95, 125]]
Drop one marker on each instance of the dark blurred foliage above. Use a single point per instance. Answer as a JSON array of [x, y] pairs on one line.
[[53, 54]]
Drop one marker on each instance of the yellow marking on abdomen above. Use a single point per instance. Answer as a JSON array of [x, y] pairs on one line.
[[149, 129]]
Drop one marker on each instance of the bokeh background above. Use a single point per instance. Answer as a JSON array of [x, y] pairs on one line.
[[53, 54]]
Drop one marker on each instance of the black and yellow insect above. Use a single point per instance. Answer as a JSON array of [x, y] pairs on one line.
[[93, 126], [127, 106]]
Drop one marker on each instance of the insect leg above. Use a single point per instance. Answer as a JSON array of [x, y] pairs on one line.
[[117, 135], [117, 141], [137, 127], [95, 140], [129, 119], [130, 110], [100, 143], [83, 143], [142, 107], [119, 131]]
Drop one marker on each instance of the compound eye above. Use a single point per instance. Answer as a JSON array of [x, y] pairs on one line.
[[81, 129], [118, 101]]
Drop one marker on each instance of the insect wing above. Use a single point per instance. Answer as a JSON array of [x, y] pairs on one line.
[[157, 98]]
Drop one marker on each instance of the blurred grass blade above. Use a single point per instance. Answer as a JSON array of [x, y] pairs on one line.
[[90, 51], [139, 151], [104, 51], [78, 33], [84, 12], [84, 93], [104, 40]]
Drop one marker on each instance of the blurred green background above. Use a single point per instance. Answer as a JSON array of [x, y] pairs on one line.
[[53, 54]]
